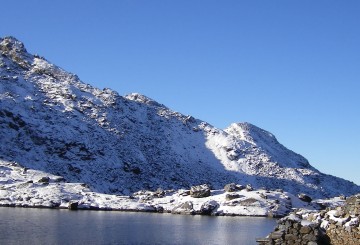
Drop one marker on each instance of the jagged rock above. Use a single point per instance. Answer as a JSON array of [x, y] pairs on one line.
[[304, 197], [200, 191]]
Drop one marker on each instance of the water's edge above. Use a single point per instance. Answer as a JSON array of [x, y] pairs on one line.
[[131, 211]]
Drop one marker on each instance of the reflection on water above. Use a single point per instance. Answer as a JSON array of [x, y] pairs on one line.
[[45, 226]]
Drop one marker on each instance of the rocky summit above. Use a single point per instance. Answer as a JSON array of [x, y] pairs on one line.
[[51, 121]]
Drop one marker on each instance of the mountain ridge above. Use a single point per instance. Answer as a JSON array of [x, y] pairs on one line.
[[52, 121]]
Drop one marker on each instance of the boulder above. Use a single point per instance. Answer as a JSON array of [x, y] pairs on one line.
[[230, 187], [187, 205], [305, 230], [290, 237], [159, 193], [233, 187], [232, 196], [208, 207], [305, 198], [44, 180], [262, 195], [200, 191], [73, 205], [273, 214], [240, 187], [159, 209], [353, 200], [277, 235], [249, 187], [184, 208]]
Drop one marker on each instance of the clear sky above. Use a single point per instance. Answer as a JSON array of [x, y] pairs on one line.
[[289, 67]]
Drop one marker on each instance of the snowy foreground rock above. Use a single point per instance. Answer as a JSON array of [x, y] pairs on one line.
[[53, 123], [338, 224], [22, 187]]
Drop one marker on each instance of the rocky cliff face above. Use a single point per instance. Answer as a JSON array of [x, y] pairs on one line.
[[51, 121]]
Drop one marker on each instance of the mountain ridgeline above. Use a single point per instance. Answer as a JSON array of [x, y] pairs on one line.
[[51, 121]]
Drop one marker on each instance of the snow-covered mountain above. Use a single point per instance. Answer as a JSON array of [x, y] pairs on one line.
[[53, 122]]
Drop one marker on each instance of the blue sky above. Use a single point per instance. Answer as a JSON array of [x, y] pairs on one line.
[[290, 67]]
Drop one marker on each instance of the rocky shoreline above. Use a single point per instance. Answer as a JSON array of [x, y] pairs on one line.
[[304, 221], [21, 187], [334, 225]]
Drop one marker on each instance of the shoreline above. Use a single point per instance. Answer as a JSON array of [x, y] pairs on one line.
[[130, 211], [37, 189]]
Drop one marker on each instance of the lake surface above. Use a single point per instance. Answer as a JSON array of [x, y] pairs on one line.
[[47, 226]]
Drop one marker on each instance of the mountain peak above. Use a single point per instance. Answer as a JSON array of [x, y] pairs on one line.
[[11, 44], [249, 132], [53, 122]]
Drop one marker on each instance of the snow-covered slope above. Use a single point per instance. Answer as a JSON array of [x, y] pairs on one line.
[[36, 189], [53, 122]]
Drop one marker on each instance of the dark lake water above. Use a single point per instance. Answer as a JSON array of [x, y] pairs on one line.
[[46, 226]]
